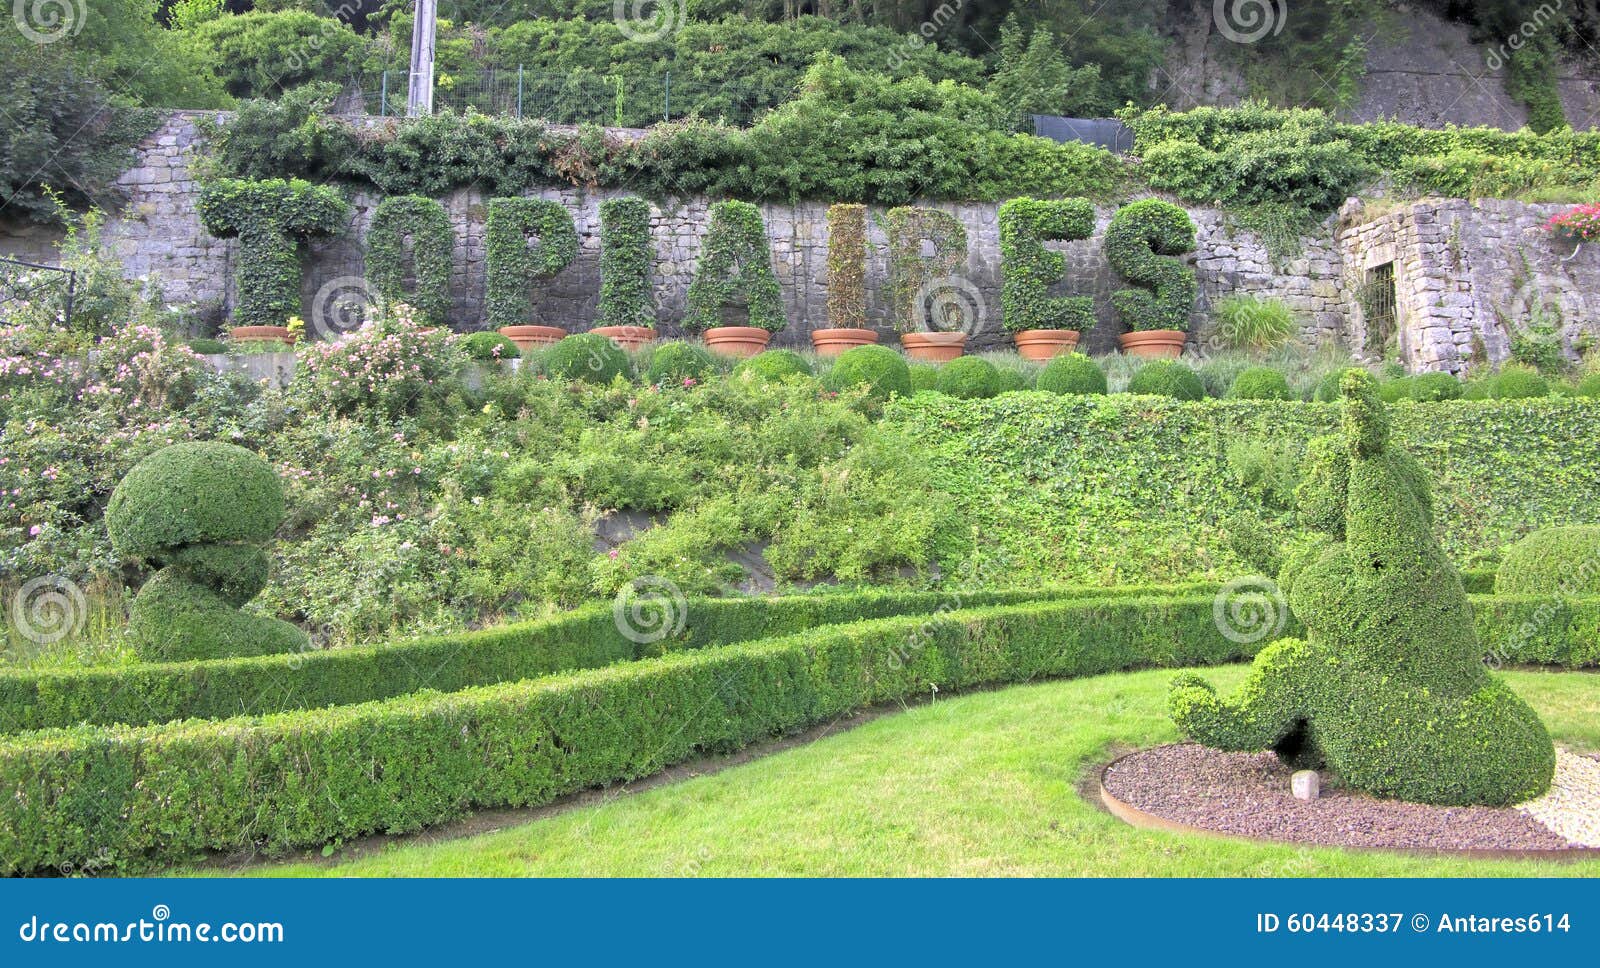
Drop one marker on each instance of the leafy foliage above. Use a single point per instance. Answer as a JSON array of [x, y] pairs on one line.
[[626, 258], [910, 271], [1167, 378], [1030, 269], [1561, 562], [880, 370], [1140, 244], [847, 266], [270, 218], [969, 378], [1259, 383], [1072, 373], [735, 268], [526, 240], [421, 226], [1254, 322]]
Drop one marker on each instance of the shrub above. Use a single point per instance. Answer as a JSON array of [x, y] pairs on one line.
[[259, 54], [1259, 383], [589, 357], [774, 366], [677, 363], [1328, 388], [1012, 380], [1030, 269], [969, 378], [1167, 378], [208, 347], [735, 268], [1435, 386], [881, 370], [1254, 323], [421, 225], [270, 219], [512, 266], [924, 376], [1554, 561], [1391, 674], [847, 266], [1140, 243], [488, 346], [1071, 373], [1395, 389], [392, 366], [626, 258], [1589, 386], [911, 272], [1518, 383]]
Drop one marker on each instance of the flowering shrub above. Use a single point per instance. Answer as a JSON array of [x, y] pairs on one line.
[[1580, 223], [390, 366]]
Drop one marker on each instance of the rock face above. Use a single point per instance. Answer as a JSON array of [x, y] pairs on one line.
[[1463, 271]]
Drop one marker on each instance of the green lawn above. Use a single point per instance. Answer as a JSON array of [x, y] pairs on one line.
[[982, 784]]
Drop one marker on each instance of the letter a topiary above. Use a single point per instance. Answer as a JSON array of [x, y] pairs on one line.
[[1389, 691], [201, 512], [735, 268], [270, 218]]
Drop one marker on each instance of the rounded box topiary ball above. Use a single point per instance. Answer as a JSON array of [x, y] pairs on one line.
[[1435, 386], [676, 362], [589, 357], [969, 378], [1259, 383], [773, 366], [488, 346], [1554, 561], [1164, 378], [881, 370], [1072, 373], [194, 493], [924, 377]]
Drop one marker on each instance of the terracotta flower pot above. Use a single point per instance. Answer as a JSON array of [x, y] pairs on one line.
[[740, 341], [1159, 344], [832, 342], [1045, 344], [527, 337], [630, 338], [934, 347], [251, 334]]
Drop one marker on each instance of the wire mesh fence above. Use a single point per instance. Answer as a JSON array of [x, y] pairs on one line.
[[27, 286], [579, 97]]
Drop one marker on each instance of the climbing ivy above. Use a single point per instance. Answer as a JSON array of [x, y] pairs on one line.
[[735, 265], [911, 272], [527, 239], [626, 256], [1031, 269], [423, 223], [1140, 244], [847, 266], [270, 218]]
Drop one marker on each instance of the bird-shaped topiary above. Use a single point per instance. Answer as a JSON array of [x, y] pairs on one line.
[[1389, 690], [201, 513]]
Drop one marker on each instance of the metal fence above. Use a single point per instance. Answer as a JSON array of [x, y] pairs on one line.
[[579, 97], [33, 282]]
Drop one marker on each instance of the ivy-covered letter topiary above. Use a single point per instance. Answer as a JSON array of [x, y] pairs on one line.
[[526, 240], [1389, 690], [202, 513], [626, 257], [735, 269], [270, 219], [422, 226], [1031, 269], [847, 266], [1140, 244], [911, 273]]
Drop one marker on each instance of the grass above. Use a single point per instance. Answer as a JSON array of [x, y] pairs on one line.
[[976, 785]]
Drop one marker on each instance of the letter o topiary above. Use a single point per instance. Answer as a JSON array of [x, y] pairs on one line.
[[589, 357], [773, 366], [1071, 373], [1389, 690], [969, 378], [426, 224], [675, 362], [881, 370], [1166, 378], [1259, 383], [1140, 244], [1554, 561], [202, 513]]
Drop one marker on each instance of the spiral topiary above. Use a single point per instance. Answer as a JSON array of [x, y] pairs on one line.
[[676, 363], [969, 378], [1259, 383], [1389, 690], [1166, 378], [1072, 373], [201, 513], [773, 366], [589, 357], [881, 370], [1554, 561]]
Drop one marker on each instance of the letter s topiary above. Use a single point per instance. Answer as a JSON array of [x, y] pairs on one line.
[[202, 513], [1140, 244]]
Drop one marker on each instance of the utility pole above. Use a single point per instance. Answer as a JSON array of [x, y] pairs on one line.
[[419, 94]]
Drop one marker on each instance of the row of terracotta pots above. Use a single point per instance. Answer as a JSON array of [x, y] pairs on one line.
[[742, 341]]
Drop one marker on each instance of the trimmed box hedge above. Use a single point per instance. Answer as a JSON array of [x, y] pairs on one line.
[[135, 796]]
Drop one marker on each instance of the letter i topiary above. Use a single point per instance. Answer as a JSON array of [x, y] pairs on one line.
[[202, 513], [626, 257], [425, 224], [911, 274], [847, 266], [513, 265], [1031, 269], [1140, 244], [270, 219], [1389, 690], [735, 268]]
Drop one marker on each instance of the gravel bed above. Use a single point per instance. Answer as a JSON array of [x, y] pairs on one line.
[[1572, 807], [1247, 794]]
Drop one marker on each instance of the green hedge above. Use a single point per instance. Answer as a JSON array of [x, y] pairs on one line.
[[136, 796]]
